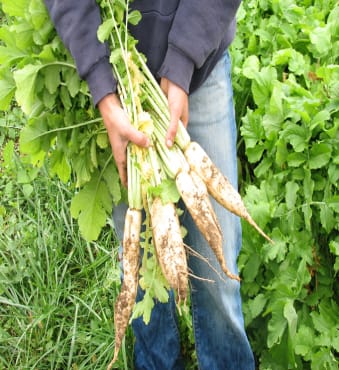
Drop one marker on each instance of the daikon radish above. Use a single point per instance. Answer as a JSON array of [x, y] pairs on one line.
[[218, 185]]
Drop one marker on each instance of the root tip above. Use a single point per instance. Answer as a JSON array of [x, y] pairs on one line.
[[230, 275], [115, 357], [234, 277]]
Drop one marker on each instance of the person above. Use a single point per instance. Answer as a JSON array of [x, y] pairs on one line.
[[186, 45]]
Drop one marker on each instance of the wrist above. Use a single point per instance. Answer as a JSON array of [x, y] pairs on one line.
[[108, 103]]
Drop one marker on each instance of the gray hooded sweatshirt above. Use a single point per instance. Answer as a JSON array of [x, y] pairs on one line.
[[181, 39]]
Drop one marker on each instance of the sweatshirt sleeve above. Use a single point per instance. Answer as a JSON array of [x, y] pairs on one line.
[[76, 23], [197, 31]]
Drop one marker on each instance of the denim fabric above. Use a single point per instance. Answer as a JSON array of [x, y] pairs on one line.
[[220, 338]]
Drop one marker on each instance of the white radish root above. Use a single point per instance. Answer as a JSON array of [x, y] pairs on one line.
[[125, 301], [218, 185], [169, 246], [195, 196]]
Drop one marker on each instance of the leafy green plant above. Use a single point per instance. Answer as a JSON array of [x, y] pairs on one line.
[[287, 93], [285, 74], [63, 129], [56, 290]]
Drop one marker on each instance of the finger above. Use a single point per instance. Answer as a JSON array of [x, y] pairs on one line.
[[164, 85], [120, 158], [138, 138], [172, 128], [122, 169], [178, 107], [185, 115]]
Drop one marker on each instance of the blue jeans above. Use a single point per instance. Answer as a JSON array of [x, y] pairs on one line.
[[220, 338]]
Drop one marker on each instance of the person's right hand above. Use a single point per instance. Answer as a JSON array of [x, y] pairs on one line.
[[120, 132], [178, 108]]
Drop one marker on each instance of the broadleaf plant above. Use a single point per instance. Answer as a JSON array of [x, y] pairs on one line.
[[286, 73], [63, 128]]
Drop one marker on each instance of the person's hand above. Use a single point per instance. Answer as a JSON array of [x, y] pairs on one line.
[[120, 132], [178, 107]]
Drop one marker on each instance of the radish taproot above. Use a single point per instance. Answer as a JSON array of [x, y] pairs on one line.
[[169, 246], [124, 304], [218, 185], [195, 196]]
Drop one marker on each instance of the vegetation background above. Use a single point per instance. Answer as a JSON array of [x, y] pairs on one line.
[[59, 277]]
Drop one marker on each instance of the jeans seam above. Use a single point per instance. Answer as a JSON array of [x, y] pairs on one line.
[[174, 322]]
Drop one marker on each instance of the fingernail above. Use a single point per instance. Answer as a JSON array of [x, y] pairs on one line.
[[169, 143]]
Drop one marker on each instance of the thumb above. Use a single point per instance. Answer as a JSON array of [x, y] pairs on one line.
[[172, 129], [139, 138]]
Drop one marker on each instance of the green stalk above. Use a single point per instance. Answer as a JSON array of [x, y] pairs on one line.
[[134, 180], [151, 79], [172, 159], [157, 175], [124, 53], [140, 94]]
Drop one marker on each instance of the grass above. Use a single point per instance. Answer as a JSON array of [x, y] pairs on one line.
[[57, 291]]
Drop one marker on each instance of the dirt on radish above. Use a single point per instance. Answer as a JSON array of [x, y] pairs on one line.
[[169, 246], [218, 185], [125, 301]]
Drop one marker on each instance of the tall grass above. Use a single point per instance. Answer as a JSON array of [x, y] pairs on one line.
[[56, 291]]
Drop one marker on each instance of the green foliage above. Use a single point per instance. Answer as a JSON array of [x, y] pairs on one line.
[[63, 129], [286, 77], [57, 291], [56, 297]]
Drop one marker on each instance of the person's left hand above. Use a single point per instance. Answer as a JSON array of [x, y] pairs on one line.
[[178, 107]]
